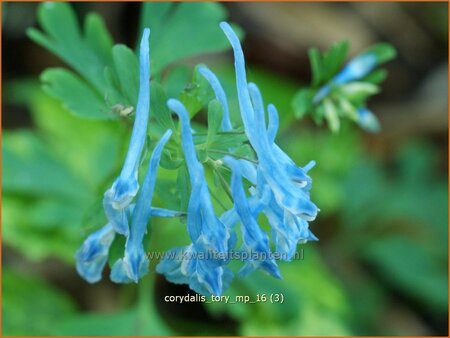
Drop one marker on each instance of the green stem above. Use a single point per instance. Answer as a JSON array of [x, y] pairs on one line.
[[217, 151]]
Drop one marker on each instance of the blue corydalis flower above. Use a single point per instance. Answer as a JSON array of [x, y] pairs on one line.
[[205, 229], [220, 95], [368, 121], [200, 264], [134, 264], [285, 179], [185, 265], [288, 206], [93, 254], [125, 187], [356, 69], [255, 240], [248, 168]]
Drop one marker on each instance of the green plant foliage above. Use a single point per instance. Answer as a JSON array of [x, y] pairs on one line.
[[31, 306], [108, 73], [308, 302], [124, 323], [55, 175], [174, 34], [407, 244], [326, 100]]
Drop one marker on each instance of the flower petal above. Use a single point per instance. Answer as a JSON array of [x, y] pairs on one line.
[[93, 254]]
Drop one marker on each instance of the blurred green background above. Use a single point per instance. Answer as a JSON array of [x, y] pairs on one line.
[[381, 265]]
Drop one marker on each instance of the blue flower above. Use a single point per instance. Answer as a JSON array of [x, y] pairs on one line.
[[368, 121], [288, 229], [285, 179], [185, 265], [125, 187], [93, 254], [200, 264], [220, 95], [134, 264], [205, 229], [356, 69], [248, 168], [255, 240]]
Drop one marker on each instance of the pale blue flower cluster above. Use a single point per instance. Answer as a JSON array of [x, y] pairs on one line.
[[124, 217], [354, 70], [279, 189]]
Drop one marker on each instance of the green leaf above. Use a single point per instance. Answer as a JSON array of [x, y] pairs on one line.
[[107, 74], [347, 108], [306, 301], [158, 106], [127, 69], [411, 269], [178, 80], [116, 250], [51, 227], [316, 66], [30, 306], [168, 161], [375, 77], [52, 183], [63, 38], [331, 116], [197, 94], [225, 141], [98, 37], [30, 168], [245, 150], [183, 187], [357, 92], [384, 52], [215, 112], [130, 322], [76, 95], [333, 59], [113, 93], [183, 30], [302, 102]]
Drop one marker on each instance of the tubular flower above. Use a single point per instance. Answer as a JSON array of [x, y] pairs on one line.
[[255, 240], [205, 229], [220, 95], [278, 188], [356, 69], [285, 179], [199, 264], [368, 121], [134, 264], [125, 187], [93, 254]]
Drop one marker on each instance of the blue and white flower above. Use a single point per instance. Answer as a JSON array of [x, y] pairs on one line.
[[201, 263], [125, 187], [354, 70], [91, 258], [134, 264]]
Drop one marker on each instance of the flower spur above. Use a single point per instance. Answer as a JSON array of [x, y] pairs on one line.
[[125, 187], [134, 264], [285, 179], [199, 264]]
